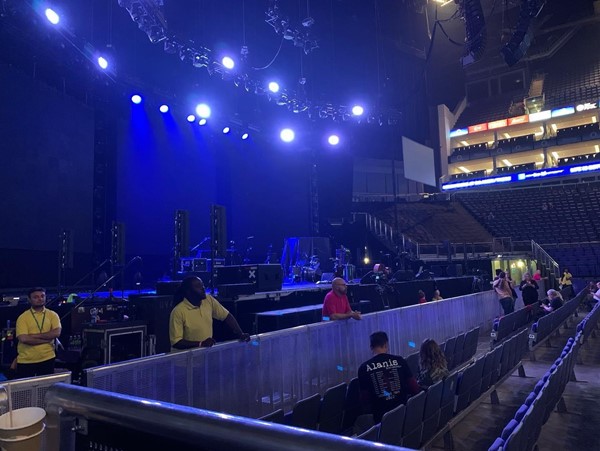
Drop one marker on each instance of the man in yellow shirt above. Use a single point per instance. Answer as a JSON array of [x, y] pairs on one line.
[[37, 328], [190, 324]]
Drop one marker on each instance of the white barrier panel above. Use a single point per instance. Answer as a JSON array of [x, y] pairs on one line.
[[277, 369]]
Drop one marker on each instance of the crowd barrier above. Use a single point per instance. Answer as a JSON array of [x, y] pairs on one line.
[[277, 369]]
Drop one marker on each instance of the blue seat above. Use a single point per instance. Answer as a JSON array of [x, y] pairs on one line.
[[274, 417], [449, 351], [392, 424], [431, 413], [508, 429], [371, 434], [352, 406], [413, 421], [458, 351], [497, 445], [521, 411], [530, 398], [413, 363], [447, 403], [332, 409]]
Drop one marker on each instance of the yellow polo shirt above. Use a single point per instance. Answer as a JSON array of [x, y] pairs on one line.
[[31, 322], [192, 323]]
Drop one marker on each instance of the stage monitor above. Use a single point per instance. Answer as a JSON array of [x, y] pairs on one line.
[[419, 162]]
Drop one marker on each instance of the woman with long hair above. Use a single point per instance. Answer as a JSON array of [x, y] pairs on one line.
[[432, 364]]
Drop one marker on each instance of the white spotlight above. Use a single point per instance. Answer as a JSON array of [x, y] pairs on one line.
[[191, 118], [164, 109], [358, 110], [333, 140], [287, 135], [228, 63], [203, 111], [245, 136], [202, 121], [226, 130], [102, 62], [274, 86], [52, 16], [136, 98]]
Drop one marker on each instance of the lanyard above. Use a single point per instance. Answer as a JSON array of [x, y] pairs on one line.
[[36, 321]]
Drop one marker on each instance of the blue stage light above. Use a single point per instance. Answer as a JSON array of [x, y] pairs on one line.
[[164, 109], [52, 16], [245, 136], [203, 110], [102, 62], [202, 121], [358, 110], [333, 140], [226, 130], [228, 63], [274, 86], [191, 118], [136, 98], [287, 135]]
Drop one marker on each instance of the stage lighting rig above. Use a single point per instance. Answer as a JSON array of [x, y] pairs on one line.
[[301, 37], [149, 16]]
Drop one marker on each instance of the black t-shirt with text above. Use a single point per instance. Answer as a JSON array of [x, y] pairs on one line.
[[385, 377]]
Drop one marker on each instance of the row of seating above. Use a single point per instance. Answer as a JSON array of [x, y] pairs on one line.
[[523, 431], [337, 411], [434, 412], [580, 159], [589, 324], [505, 325], [542, 330]]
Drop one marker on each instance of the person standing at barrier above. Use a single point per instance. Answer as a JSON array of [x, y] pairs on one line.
[[437, 296], [566, 283], [385, 380], [336, 305], [503, 290], [191, 321], [36, 330], [529, 288], [432, 364]]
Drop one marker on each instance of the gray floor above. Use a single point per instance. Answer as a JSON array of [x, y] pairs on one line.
[[577, 429]]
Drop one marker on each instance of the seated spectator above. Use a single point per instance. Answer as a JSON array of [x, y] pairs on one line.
[[385, 381], [437, 296], [422, 298], [432, 365], [593, 295], [553, 302], [537, 276]]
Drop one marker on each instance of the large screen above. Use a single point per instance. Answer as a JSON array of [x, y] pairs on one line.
[[419, 164]]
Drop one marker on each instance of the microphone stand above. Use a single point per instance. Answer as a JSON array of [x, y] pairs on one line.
[[108, 260], [110, 279]]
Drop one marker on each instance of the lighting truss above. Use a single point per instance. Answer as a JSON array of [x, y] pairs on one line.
[[301, 37]]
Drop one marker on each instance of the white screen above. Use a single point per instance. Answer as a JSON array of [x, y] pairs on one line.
[[419, 164]]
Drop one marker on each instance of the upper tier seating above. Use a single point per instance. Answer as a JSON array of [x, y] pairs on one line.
[[519, 213]]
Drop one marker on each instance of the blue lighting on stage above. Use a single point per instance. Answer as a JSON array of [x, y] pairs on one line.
[[52, 16], [226, 130], [287, 135], [164, 109], [274, 86], [191, 118], [102, 62], [358, 110], [136, 98], [245, 136], [202, 121], [333, 140], [228, 63], [203, 111], [523, 176]]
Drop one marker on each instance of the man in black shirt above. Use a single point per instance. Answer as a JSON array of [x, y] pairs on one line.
[[385, 380]]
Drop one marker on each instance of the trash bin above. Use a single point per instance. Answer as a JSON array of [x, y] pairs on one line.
[[25, 434]]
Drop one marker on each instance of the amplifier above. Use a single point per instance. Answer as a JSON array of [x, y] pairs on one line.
[[193, 264], [115, 342], [242, 274], [269, 278], [234, 290]]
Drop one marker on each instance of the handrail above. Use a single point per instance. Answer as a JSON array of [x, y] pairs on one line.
[[70, 407], [383, 229], [539, 253]]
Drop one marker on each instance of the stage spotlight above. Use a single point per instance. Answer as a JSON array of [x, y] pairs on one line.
[[228, 63], [52, 16], [191, 118], [203, 111], [358, 110], [164, 108], [136, 98], [202, 121], [333, 140], [102, 62], [245, 136], [226, 130], [287, 135], [274, 86]]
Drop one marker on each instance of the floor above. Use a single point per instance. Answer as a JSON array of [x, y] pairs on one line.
[[576, 429]]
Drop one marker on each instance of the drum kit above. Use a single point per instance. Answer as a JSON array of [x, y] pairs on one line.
[[307, 270]]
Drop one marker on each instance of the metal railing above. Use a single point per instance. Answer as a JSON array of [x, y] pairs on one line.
[[83, 418], [386, 232], [540, 254], [277, 369], [30, 391]]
